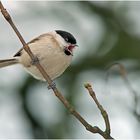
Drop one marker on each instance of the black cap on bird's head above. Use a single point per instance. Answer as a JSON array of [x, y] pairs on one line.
[[68, 37]]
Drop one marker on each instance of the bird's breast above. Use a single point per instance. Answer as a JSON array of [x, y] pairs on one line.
[[52, 58]]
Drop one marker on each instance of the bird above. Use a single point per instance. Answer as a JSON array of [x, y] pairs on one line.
[[54, 51]]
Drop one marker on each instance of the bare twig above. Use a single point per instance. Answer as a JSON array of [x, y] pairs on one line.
[[107, 131], [90, 128]]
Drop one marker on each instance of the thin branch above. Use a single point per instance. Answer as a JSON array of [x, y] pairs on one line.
[[102, 110], [90, 128]]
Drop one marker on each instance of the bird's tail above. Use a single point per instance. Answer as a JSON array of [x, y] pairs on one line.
[[8, 62]]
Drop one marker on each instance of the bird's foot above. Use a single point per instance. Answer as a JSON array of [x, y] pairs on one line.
[[35, 60], [52, 85]]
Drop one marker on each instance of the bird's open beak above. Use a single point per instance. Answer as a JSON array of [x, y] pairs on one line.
[[70, 48], [68, 51]]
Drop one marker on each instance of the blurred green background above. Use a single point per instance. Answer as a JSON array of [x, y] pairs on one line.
[[106, 32]]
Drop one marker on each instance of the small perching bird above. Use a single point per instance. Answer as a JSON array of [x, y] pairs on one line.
[[54, 51]]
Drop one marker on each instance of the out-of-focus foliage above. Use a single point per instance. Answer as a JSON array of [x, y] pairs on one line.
[[107, 32]]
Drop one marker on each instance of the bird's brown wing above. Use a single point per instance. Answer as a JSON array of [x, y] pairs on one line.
[[32, 41], [19, 52]]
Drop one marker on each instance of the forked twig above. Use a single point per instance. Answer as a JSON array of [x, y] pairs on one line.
[[90, 128]]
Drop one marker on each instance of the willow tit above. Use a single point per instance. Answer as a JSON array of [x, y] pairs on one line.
[[54, 51]]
